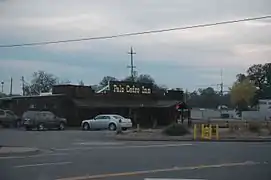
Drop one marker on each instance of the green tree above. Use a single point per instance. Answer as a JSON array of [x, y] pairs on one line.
[[130, 79], [106, 79], [240, 77], [242, 94], [145, 78], [81, 83], [260, 74], [41, 82], [209, 98]]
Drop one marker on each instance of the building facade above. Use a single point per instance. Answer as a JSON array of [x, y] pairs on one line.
[[140, 102]]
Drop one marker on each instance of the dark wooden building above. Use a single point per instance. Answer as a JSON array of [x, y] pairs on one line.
[[140, 102]]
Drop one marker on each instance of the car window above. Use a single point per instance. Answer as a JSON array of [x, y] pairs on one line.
[[2, 112], [98, 117], [47, 115], [102, 117], [10, 113], [117, 117], [28, 114]]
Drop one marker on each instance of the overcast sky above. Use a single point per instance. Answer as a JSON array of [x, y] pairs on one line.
[[188, 59]]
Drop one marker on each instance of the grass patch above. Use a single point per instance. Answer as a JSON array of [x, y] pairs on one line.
[[176, 130]]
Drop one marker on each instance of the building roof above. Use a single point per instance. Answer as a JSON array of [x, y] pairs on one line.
[[34, 96], [130, 104]]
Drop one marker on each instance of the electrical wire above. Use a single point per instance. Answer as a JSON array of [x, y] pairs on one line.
[[134, 33]]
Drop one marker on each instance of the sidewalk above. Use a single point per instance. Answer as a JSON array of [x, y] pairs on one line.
[[158, 136], [7, 151]]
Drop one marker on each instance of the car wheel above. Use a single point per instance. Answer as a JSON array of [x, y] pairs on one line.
[[41, 127], [61, 126], [112, 127], [124, 129], [86, 126]]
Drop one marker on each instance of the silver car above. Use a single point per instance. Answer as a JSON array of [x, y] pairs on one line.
[[107, 121]]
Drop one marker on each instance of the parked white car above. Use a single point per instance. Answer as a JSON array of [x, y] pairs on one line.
[[107, 121]]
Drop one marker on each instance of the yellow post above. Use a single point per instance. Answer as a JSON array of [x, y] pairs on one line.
[[217, 132], [210, 131], [195, 131], [202, 131]]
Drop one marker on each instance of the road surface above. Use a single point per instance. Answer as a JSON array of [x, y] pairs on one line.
[[80, 158]]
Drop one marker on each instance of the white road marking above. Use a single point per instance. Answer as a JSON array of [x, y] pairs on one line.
[[33, 156], [125, 147], [98, 143], [133, 173], [42, 164], [170, 179]]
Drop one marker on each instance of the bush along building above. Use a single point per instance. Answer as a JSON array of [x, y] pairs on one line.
[[138, 101]]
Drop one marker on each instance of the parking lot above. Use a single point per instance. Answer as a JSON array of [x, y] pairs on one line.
[[79, 155]]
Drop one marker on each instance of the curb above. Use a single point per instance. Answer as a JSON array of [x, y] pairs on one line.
[[34, 151], [197, 140]]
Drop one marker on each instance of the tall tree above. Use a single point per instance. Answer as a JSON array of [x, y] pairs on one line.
[[145, 78], [242, 94], [240, 77], [130, 79], [106, 79], [260, 74], [41, 82], [81, 83]]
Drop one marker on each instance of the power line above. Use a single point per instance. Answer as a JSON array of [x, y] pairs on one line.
[[134, 33]]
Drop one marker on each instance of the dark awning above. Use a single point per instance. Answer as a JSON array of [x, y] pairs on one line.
[[129, 104]]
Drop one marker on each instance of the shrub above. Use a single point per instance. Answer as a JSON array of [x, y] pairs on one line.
[[254, 127], [176, 130]]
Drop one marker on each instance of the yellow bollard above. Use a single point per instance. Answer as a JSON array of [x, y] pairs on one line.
[[202, 131], [195, 131], [210, 131], [217, 132]]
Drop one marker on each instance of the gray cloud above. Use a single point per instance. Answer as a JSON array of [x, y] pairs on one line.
[[198, 51]]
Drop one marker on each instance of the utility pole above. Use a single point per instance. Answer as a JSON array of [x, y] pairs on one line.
[[2, 86], [22, 79], [221, 83], [132, 67], [11, 83]]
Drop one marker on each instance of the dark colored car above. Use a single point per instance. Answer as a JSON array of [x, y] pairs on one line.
[[42, 120], [9, 119]]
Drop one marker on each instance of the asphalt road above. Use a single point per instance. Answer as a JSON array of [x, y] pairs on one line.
[[76, 155]]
